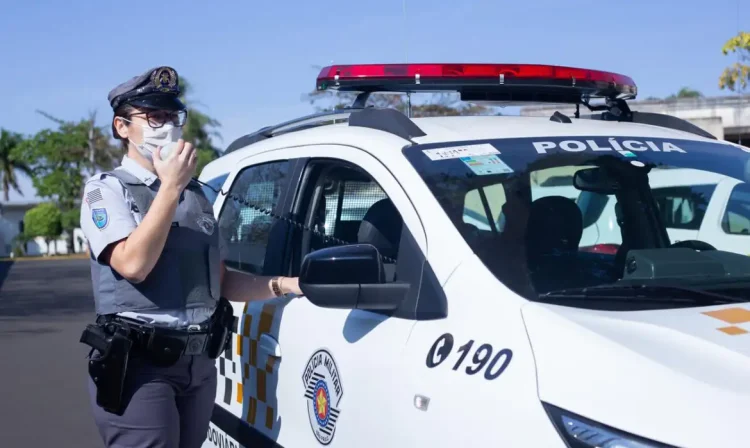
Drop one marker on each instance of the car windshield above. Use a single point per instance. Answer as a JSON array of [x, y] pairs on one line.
[[578, 216]]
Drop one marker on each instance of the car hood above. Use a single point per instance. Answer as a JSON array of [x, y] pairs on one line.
[[677, 376]]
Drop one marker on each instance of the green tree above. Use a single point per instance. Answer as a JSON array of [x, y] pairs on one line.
[[436, 105], [199, 128], [43, 221], [60, 160], [10, 165], [685, 92], [100, 153], [738, 74]]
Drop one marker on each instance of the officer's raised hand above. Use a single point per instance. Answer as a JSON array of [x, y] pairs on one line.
[[178, 167]]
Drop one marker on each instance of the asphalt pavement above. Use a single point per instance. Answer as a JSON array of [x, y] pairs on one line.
[[44, 306]]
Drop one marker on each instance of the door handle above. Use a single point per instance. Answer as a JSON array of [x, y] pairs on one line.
[[270, 345]]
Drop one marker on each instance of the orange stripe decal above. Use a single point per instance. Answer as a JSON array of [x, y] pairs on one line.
[[252, 409], [247, 325], [269, 417], [261, 385], [266, 319], [731, 315], [733, 331]]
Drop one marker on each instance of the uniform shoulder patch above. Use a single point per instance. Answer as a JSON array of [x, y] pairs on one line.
[[100, 217], [94, 195]]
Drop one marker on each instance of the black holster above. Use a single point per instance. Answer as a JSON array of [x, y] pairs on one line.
[[220, 328], [108, 367]]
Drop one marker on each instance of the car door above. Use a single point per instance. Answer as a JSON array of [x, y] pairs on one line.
[[336, 377], [727, 223], [253, 238], [683, 208]]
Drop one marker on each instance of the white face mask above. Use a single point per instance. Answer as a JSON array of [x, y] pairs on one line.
[[153, 138]]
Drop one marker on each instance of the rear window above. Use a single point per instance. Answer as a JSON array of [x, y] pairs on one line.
[[683, 207], [736, 220]]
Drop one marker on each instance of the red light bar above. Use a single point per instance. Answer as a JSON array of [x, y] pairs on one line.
[[479, 81]]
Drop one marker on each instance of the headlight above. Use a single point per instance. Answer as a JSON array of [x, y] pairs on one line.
[[580, 432]]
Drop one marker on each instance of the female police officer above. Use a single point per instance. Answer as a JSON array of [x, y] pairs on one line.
[[158, 278]]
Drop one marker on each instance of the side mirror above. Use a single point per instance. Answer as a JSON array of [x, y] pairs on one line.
[[596, 180], [349, 277]]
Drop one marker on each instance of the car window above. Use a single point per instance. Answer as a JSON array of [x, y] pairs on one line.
[[484, 204], [245, 230], [214, 185], [683, 207], [736, 219], [352, 208], [544, 244], [355, 198], [592, 206]]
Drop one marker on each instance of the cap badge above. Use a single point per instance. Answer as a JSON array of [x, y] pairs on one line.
[[164, 79]]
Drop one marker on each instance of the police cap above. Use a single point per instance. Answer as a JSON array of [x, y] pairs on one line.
[[158, 88]]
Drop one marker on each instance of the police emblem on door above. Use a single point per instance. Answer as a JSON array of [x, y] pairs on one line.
[[323, 392]]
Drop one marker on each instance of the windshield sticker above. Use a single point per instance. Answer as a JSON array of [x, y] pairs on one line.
[[485, 165], [622, 146], [457, 152]]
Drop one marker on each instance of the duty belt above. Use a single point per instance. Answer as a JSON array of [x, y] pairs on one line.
[[115, 337], [160, 342]]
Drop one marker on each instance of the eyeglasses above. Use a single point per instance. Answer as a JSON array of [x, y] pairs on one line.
[[158, 118]]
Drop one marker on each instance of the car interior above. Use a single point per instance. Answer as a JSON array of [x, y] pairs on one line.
[[540, 244], [348, 207]]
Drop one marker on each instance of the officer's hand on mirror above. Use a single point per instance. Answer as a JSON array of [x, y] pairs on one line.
[[290, 285], [179, 167]]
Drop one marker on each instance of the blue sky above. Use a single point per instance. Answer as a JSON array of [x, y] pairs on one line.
[[250, 62]]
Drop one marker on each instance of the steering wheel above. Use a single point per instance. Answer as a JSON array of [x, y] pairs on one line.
[[693, 244]]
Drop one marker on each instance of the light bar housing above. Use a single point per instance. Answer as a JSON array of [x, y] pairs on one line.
[[481, 82]]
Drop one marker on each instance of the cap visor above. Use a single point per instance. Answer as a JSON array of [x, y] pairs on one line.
[[158, 101]]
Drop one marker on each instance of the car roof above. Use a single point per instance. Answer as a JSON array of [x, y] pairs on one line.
[[445, 130]]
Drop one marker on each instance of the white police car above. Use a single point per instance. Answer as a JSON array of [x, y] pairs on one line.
[[420, 327]]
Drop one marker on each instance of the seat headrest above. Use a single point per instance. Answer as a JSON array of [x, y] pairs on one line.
[[555, 223], [381, 227]]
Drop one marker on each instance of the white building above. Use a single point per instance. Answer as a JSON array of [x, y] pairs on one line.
[[726, 117], [11, 224]]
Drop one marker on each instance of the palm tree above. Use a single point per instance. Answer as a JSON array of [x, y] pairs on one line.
[[9, 166]]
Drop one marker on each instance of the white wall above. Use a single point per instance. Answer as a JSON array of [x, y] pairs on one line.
[[60, 246], [10, 227]]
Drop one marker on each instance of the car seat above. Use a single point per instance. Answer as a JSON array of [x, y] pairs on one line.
[[553, 233], [381, 226]]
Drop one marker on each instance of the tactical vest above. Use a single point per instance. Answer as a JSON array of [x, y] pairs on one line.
[[187, 272]]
